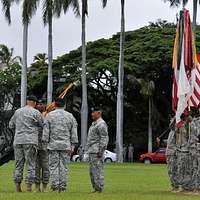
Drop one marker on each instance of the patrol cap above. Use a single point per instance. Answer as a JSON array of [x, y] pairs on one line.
[[96, 109], [32, 98]]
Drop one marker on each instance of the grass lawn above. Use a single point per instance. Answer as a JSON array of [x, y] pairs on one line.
[[123, 181]]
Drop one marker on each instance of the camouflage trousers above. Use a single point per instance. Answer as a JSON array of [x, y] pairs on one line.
[[193, 170], [198, 171], [184, 170], [58, 161], [172, 170], [96, 172], [42, 167], [25, 154]]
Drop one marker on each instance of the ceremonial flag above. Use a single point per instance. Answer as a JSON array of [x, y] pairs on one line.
[[185, 68]]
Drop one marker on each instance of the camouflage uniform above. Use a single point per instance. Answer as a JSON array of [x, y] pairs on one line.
[[193, 139], [172, 159], [183, 174], [96, 144], [25, 121], [42, 163], [197, 122], [60, 132]]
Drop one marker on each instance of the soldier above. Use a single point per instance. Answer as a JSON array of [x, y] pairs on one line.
[[197, 123], [184, 173], [26, 122], [42, 165], [60, 132], [97, 142], [193, 139], [172, 157]]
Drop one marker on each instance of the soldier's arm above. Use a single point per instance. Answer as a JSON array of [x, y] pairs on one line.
[[103, 134], [46, 131], [196, 134], [40, 119], [74, 135], [12, 122]]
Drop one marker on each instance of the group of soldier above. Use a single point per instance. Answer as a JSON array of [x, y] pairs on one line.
[[45, 143], [183, 154]]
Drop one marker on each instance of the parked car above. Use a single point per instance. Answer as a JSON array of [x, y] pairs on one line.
[[108, 157], [156, 157]]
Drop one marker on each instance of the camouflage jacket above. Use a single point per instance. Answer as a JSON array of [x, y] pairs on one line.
[[193, 137], [60, 130], [41, 144], [26, 122], [183, 141], [97, 140], [197, 123], [171, 143]]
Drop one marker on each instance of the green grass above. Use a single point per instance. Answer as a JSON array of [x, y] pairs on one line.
[[123, 181]]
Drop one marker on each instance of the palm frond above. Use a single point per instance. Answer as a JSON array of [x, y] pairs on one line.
[[104, 3], [74, 4], [6, 4], [29, 9], [66, 4], [58, 7], [47, 10], [176, 3]]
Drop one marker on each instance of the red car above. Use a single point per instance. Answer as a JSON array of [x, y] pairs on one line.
[[156, 157]]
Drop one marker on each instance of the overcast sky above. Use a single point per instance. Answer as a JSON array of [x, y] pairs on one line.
[[67, 29]]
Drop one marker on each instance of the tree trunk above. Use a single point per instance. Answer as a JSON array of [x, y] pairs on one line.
[[50, 58], [150, 126], [194, 15], [120, 105], [24, 66], [84, 106]]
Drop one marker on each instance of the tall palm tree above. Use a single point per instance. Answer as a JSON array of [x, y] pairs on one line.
[[120, 93], [147, 89], [51, 8], [47, 19], [84, 105], [29, 9]]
